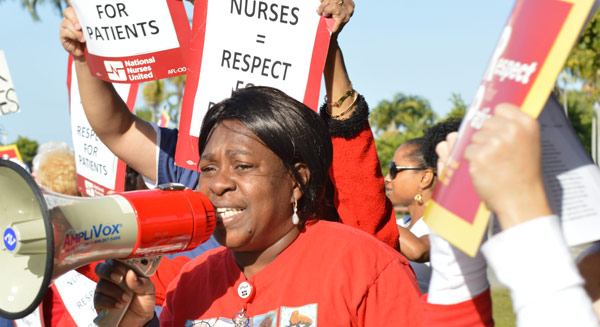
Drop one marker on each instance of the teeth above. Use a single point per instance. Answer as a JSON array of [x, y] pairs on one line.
[[227, 212]]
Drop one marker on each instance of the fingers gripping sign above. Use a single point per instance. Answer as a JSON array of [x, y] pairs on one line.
[[339, 10], [71, 35]]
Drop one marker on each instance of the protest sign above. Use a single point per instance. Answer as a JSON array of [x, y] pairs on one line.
[[571, 179], [10, 152], [98, 169], [134, 41], [238, 43], [8, 98], [528, 58]]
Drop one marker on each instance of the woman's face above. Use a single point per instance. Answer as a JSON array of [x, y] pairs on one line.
[[402, 189], [249, 187]]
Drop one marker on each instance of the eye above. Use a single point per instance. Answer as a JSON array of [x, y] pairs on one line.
[[243, 166], [207, 169]]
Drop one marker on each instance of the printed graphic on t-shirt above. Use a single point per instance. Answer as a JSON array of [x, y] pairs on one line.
[[266, 320], [304, 316], [213, 322]]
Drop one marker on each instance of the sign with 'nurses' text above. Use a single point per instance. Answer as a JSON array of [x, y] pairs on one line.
[[8, 97], [531, 52], [134, 41], [240, 43], [98, 169]]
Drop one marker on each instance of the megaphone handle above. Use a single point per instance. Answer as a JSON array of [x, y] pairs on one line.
[[112, 318], [142, 267]]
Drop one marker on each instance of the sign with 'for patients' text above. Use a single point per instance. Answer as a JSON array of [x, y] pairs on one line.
[[98, 169], [8, 97], [531, 52], [134, 41], [240, 43]]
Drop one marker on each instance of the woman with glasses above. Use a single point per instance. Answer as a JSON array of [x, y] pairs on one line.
[[410, 181]]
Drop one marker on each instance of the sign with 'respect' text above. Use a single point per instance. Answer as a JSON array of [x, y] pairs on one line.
[[239, 43], [134, 41], [523, 69], [98, 169], [8, 98]]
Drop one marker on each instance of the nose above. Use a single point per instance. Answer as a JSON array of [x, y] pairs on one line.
[[387, 179], [221, 182]]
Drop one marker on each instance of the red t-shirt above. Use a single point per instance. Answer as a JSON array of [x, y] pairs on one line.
[[331, 275]]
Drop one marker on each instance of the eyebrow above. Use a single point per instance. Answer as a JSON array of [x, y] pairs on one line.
[[228, 153]]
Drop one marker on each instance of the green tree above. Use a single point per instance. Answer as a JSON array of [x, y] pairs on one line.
[[154, 95], [584, 61], [396, 121], [162, 94], [31, 6], [144, 113], [27, 148], [459, 108]]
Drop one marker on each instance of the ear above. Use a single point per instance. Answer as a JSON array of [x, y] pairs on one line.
[[304, 174], [427, 179]]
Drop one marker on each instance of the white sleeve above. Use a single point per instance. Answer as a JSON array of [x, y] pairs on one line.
[[150, 184], [533, 260], [455, 276]]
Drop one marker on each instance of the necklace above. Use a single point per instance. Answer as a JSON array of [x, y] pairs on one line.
[[246, 292]]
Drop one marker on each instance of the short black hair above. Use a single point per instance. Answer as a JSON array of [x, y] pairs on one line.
[[294, 132], [434, 135]]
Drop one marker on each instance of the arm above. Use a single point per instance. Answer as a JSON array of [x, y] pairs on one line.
[[412, 247], [589, 268], [360, 197], [130, 138], [505, 167]]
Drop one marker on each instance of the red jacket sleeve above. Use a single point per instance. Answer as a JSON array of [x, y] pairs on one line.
[[360, 191]]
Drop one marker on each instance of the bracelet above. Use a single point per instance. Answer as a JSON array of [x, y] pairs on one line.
[[348, 109], [342, 98]]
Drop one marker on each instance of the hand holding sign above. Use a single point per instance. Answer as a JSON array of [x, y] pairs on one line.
[[339, 10], [71, 35], [505, 165]]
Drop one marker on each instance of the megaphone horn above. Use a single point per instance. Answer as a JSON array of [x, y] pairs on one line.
[[48, 234]]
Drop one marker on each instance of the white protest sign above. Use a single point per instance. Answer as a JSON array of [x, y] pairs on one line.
[[8, 98], [571, 178], [134, 41], [77, 294], [239, 43], [98, 169]]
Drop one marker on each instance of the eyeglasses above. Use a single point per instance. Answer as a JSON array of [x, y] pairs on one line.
[[394, 170]]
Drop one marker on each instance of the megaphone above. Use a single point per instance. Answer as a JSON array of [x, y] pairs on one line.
[[47, 234]]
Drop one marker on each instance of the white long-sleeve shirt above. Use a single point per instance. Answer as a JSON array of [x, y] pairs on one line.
[[534, 262]]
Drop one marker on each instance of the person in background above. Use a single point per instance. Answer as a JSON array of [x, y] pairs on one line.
[[57, 172], [42, 150], [588, 264], [505, 167], [410, 181], [459, 292]]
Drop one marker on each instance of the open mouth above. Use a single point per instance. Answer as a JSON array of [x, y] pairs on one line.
[[227, 215]]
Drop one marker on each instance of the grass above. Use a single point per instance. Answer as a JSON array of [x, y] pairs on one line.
[[502, 306]]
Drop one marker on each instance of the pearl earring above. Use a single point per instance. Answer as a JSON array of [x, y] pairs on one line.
[[295, 218]]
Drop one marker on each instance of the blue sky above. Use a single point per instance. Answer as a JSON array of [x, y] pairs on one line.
[[428, 48]]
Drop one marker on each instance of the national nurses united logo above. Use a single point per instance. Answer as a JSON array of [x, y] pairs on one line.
[[115, 70]]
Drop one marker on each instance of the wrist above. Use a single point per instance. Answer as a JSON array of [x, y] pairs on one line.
[[529, 204]]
